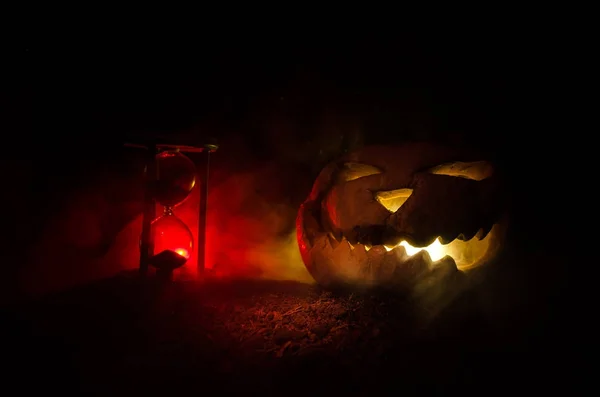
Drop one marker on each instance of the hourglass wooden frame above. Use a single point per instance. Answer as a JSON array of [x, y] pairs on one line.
[[202, 163]]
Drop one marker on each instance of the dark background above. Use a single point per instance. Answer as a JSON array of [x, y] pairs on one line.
[[69, 109]]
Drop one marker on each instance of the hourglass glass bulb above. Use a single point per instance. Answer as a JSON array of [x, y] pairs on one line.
[[173, 241], [175, 178]]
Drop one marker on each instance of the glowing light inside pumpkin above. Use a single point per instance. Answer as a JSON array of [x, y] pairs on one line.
[[435, 250], [466, 254]]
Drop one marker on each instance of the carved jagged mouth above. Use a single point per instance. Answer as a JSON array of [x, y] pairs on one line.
[[463, 251], [402, 261], [437, 247]]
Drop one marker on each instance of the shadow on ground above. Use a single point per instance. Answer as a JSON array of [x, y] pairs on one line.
[[128, 336]]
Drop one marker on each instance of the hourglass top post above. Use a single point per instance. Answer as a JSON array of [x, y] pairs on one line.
[[211, 147]]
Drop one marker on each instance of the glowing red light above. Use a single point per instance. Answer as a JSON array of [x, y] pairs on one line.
[[171, 234], [183, 252]]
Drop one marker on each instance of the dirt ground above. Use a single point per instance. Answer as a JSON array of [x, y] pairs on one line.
[[124, 336]]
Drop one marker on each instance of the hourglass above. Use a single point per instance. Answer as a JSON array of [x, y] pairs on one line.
[[173, 242], [166, 242]]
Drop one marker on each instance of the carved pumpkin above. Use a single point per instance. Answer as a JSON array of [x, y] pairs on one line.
[[398, 214]]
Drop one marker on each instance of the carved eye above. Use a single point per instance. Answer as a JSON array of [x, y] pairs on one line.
[[477, 170], [393, 199], [352, 171]]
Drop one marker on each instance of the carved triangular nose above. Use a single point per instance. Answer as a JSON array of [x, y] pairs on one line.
[[393, 199]]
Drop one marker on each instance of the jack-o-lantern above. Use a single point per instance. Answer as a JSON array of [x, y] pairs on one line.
[[398, 214]]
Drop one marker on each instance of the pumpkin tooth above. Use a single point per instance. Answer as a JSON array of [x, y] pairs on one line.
[[347, 263], [352, 240], [391, 260], [321, 242], [360, 254], [337, 235], [374, 259], [447, 239], [466, 236], [321, 256], [398, 253], [413, 268], [332, 240], [446, 262], [439, 286], [483, 232]]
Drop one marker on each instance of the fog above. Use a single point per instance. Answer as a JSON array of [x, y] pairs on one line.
[[93, 230], [77, 212]]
